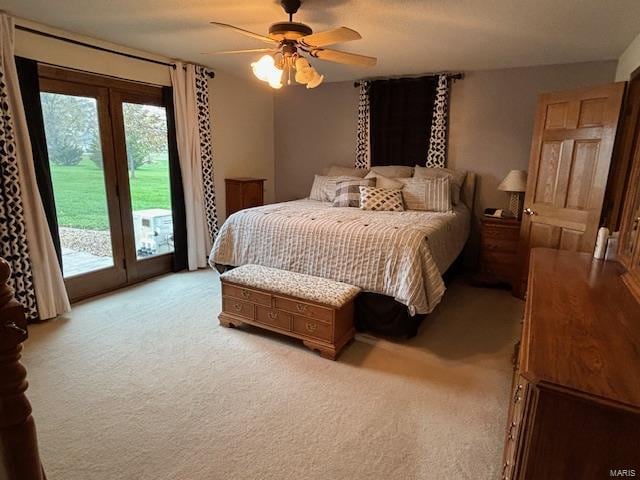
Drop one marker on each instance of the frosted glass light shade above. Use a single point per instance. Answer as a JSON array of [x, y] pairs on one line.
[[515, 181]]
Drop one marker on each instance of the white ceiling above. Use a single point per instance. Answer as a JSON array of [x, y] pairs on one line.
[[407, 36]]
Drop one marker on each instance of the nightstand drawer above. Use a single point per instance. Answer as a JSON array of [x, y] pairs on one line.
[[499, 263], [499, 244]]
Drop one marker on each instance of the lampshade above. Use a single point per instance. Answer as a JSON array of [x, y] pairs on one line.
[[515, 181]]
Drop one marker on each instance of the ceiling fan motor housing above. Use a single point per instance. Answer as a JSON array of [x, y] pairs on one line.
[[289, 31]]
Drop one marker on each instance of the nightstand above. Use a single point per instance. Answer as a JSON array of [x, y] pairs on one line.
[[498, 251], [243, 192]]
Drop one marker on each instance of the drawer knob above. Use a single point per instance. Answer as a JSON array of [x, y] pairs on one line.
[[245, 294], [237, 307], [273, 315], [301, 307], [311, 327]]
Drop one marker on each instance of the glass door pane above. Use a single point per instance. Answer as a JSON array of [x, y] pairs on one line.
[[77, 171], [145, 129]]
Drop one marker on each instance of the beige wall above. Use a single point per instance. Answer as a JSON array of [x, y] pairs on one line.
[[242, 111], [491, 124], [314, 128], [629, 60]]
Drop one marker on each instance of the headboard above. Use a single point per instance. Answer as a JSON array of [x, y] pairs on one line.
[[468, 192]]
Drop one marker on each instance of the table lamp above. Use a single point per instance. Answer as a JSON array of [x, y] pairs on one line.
[[515, 183]]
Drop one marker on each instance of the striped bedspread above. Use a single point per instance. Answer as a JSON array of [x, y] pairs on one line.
[[399, 254]]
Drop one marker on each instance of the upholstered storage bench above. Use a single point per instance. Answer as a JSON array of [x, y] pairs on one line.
[[316, 310]]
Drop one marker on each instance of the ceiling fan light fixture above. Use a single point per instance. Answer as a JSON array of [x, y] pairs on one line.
[[316, 80], [266, 70]]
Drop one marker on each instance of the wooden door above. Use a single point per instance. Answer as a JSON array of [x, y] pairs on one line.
[[569, 164]]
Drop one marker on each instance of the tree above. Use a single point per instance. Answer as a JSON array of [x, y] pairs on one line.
[[145, 132], [69, 122]]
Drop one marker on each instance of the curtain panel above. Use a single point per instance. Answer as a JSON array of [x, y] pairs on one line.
[[26, 240], [193, 138], [403, 121]]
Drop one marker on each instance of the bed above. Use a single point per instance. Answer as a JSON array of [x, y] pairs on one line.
[[398, 258]]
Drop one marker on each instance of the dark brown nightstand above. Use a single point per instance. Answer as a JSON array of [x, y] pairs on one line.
[[243, 192], [498, 251]]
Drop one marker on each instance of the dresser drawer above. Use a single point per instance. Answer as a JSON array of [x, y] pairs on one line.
[[238, 307], [312, 311], [246, 294], [274, 318], [311, 328]]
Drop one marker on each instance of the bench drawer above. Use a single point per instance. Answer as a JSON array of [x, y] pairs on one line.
[[311, 328], [238, 307], [274, 318], [246, 294], [300, 308]]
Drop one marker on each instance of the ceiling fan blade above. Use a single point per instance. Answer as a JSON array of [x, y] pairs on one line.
[[232, 52], [344, 57], [330, 37], [247, 33]]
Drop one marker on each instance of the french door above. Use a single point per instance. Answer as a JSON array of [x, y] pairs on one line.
[[108, 147]]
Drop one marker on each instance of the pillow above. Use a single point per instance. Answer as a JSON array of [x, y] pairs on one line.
[[384, 182], [393, 171], [457, 178], [381, 199], [336, 171], [348, 192], [324, 187], [433, 194]]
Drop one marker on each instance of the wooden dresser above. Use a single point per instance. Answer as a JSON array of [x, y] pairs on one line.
[[243, 192], [575, 404], [498, 251]]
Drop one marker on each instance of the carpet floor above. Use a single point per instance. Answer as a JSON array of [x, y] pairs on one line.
[[144, 384]]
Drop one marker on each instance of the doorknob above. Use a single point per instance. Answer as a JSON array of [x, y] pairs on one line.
[[529, 212]]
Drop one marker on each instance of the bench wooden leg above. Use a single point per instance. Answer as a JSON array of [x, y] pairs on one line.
[[324, 350]]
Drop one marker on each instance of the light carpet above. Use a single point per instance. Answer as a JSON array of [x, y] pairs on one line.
[[144, 384]]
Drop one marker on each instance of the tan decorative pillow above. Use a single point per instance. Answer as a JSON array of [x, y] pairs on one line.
[[338, 171], [384, 182], [348, 192], [393, 171], [381, 199], [324, 187], [432, 194], [457, 178]]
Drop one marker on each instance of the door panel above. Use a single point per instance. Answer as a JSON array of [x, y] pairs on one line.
[[570, 157], [78, 135]]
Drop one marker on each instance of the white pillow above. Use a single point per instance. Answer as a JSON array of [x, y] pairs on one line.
[[337, 170], [324, 187], [432, 194], [384, 182], [457, 178], [393, 171]]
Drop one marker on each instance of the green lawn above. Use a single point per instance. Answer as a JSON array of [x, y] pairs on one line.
[[80, 192]]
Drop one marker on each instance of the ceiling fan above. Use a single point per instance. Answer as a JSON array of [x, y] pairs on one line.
[[290, 43]]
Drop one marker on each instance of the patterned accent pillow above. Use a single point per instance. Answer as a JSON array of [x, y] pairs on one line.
[[348, 192], [324, 187], [457, 178], [432, 194], [381, 199]]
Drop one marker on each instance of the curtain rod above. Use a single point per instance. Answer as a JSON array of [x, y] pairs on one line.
[[452, 76], [209, 73]]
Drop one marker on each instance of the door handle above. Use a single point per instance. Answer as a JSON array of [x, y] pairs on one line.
[[529, 212]]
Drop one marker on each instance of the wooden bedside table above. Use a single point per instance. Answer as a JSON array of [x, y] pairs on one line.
[[498, 251], [243, 192]]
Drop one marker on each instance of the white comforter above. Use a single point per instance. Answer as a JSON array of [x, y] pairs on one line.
[[399, 254]]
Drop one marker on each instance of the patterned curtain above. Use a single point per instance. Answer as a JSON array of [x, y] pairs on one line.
[[13, 235], [363, 157], [437, 155], [206, 151]]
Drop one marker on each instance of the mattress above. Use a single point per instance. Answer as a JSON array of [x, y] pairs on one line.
[[398, 254]]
